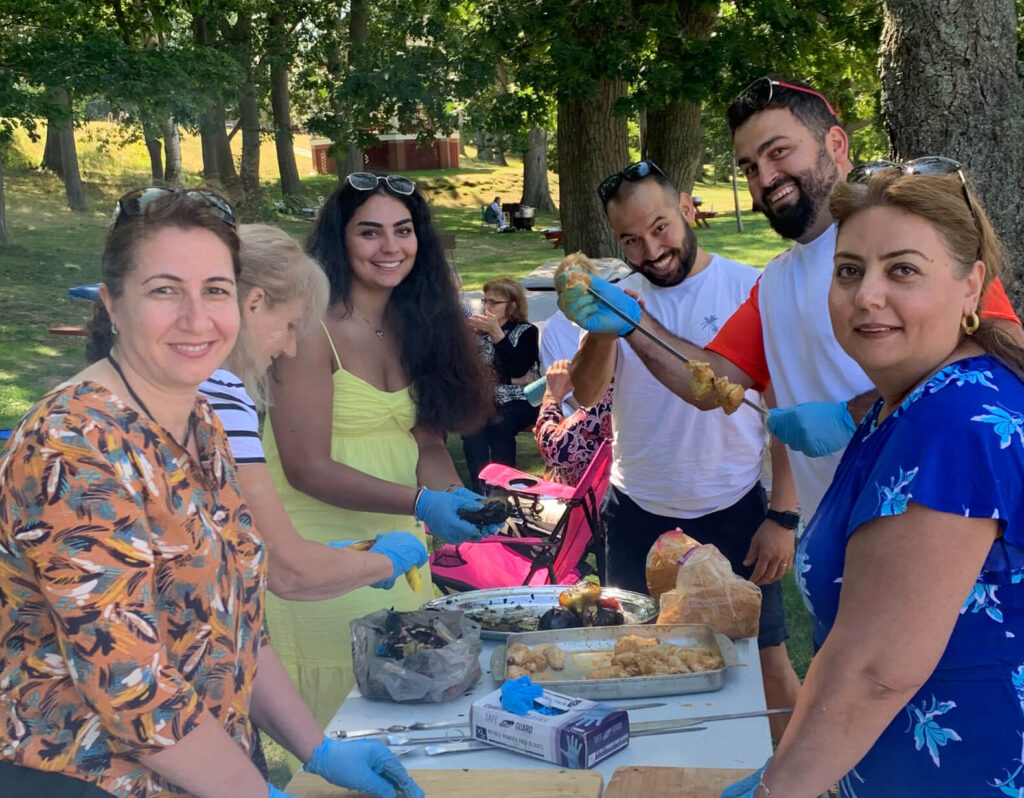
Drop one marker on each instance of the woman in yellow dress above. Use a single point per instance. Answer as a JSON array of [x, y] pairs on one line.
[[355, 439]]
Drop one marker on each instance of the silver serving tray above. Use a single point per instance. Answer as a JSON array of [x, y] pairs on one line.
[[637, 607], [594, 639]]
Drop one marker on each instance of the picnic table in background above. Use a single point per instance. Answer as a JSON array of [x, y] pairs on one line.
[[553, 234], [90, 292], [701, 219]]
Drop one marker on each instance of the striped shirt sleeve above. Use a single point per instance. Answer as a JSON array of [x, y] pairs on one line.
[[237, 413]]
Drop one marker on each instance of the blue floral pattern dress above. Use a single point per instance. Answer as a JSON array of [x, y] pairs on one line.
[[955, 445]]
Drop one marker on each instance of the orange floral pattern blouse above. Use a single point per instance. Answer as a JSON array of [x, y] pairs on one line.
[[131, 590]]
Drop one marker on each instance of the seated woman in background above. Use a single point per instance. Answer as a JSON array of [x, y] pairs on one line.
[[132, 653], [355, 435], [912, 564], [282, 295], [511, 345], [568, 443]]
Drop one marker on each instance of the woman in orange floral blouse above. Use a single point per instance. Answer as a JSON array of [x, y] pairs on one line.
[[132, 658]]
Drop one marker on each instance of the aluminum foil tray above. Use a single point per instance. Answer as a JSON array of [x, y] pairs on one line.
[[507, 610], [585, 647]]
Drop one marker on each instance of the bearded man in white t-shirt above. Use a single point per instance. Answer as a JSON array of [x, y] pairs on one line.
[[674, 466]]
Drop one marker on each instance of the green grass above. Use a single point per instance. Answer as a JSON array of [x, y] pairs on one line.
[[53, 249]]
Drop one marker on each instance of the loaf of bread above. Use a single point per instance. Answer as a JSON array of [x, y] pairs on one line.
[[663, 560]]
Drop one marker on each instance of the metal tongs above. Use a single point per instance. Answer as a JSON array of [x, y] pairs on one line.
[[670, 349]]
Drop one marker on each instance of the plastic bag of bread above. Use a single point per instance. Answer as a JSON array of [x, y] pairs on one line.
[[708, 591], [663, 560]]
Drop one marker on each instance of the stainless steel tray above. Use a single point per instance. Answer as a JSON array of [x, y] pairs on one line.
[[594, 639], [535, 601]]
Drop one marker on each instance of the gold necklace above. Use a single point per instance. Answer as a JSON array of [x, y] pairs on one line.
[[378, 331]]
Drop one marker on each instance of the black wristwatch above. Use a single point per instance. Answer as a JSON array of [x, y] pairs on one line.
[[784, 518]]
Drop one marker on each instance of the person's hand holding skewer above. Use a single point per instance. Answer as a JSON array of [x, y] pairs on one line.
[[575, 299]]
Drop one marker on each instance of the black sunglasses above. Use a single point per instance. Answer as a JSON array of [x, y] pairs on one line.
[[134, 203], [367, 181], [926, 165], [758, 94], [635, 171]]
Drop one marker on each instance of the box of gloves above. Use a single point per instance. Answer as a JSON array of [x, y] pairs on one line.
[[571, 732]]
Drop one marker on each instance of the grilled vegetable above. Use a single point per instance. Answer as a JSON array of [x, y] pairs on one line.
[[557, 618], [580, 596], [492, 511]]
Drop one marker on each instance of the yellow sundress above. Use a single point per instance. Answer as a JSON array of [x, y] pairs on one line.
[[371, 430]]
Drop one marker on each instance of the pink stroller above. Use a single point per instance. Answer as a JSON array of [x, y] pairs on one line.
[[528, 553]]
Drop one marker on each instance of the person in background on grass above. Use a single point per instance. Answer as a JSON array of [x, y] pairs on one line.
[[133, 659], [496, 214], [673, 466], [510, 345], [568, 443], [355, 435], [912, 564], [282, 296]]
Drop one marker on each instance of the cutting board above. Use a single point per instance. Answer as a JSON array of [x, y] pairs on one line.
[[473, 784], [649, 782]]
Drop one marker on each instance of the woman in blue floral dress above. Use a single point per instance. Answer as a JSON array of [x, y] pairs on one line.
[[913, 565]]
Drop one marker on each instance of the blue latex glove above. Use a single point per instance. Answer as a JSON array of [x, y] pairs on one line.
[[589, 312], [403, 549], [439, 511], [814, 428], [746, 787], [517, 695], [276, 793], [364, 765]]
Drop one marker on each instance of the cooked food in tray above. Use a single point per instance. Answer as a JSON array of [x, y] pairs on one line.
[[632, 656], [505, 611]]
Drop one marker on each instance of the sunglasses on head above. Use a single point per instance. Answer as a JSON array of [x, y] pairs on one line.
[[927, 165], [134, 203], [367, 181], [758, 95], [635, 171]]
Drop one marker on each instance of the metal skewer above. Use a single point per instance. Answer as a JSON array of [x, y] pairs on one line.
[[670, 349]]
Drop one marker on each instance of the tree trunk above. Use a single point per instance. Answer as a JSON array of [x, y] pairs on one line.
[[483, 149], [280, 105], [51, 150], [536, 192], [462, 144], [358, 36], [226, 172], [172, 153], [950, 87], [3, 208], [591, 145], [156, 153], [68, 153], [673, 140], [250, 123]]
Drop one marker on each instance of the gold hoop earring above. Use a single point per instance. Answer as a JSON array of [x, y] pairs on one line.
[[970, 324]]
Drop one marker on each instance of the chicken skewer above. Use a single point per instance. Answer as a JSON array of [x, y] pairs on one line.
[[670, 349]]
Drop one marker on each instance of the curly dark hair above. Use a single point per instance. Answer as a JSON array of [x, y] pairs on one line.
[[450, 383]]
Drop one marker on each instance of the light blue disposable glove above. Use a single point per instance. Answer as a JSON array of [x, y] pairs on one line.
[[746, 787], [403, 549], [276, 793], [363, 765], [589, 312], [439, 511], [814, 428]]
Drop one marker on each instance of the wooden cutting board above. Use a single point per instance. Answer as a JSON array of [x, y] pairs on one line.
[[541, 783], [651, 782]]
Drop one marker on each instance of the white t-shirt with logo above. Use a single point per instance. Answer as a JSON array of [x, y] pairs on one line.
[[669, 457], [804, 358]]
